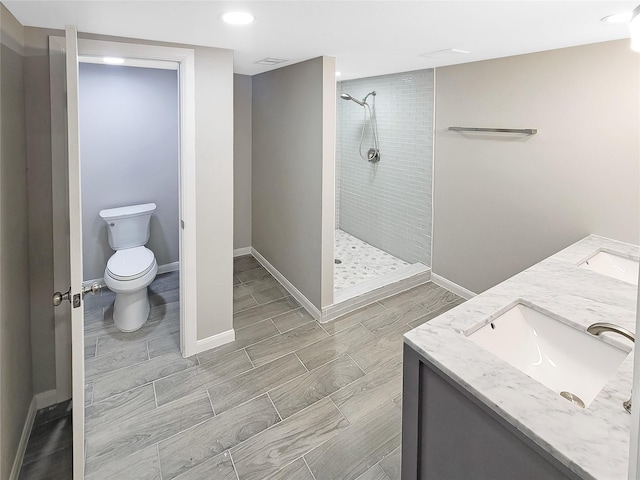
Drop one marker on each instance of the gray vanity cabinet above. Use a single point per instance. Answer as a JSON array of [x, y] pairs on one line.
[[447, 434]]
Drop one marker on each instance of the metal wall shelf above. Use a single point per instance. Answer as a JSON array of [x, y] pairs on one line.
[[525, 131]]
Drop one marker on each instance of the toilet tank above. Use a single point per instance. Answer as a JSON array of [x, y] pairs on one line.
[[128, 227]]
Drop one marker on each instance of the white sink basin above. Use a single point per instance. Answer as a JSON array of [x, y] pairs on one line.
[[614, 266], [563, 358]]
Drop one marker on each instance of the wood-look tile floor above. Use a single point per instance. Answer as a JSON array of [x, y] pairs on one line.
[[48, 454], [288, 399]]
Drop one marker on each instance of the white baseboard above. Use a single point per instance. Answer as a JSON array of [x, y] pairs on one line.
[[215, 341], [238, 252], [46, 399], [452, 287], [99, 281], [166, 268], [295, 293], [24, 439]]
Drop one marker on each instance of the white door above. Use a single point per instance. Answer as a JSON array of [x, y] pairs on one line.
[[75, 252], [68, 240]]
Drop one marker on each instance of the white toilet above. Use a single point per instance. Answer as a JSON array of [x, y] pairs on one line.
[[133, 267]]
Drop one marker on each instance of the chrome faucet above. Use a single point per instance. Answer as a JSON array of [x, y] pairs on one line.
[[598, 328]]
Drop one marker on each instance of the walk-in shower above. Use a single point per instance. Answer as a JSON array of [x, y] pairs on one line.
[[383, 209], [373, 154]]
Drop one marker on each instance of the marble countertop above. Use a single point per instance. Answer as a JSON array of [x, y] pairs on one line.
[[593, 442]]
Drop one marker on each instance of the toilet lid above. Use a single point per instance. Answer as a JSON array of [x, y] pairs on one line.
[[130, 263]]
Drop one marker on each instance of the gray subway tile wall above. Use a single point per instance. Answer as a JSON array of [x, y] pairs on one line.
[[388, 204]]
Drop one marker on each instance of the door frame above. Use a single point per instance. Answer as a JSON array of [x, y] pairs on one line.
[[185, 58], [188, 305]]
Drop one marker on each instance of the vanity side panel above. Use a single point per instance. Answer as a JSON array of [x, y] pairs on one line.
[[410, 413], [457, 437]]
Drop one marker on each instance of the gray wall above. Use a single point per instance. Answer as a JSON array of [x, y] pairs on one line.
[[388, 204], [505, 202], [241, 161], [129, 144], [16, 388], [214, 189], [39, 170], [287, 172]]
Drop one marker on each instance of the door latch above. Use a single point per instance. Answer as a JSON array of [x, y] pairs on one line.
[[92, 289], [77, 298]]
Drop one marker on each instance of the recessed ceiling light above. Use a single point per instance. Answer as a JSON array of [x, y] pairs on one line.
[[237, 18], [113, 60], [622, 17]]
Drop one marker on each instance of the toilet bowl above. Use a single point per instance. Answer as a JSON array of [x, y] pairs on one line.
[[129, 272], [133, 267]]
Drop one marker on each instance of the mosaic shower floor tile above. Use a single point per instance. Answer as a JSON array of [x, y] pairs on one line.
[[360, 261]]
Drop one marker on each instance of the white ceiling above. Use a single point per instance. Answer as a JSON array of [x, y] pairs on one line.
[[367, 37]]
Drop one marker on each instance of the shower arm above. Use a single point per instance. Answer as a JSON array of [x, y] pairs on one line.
[[364, 100]]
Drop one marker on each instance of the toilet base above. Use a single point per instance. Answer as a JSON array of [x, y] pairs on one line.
[[131, 310]]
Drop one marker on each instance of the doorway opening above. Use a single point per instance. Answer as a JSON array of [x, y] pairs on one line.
[[383, 203], [129, 114]]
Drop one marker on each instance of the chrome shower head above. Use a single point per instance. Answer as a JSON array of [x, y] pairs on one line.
[[346, 96]]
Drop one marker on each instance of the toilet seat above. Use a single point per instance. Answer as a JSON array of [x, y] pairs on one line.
[[130, 263]]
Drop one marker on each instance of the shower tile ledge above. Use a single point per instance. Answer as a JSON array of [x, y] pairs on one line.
[[368, 286], [375, 289], [598, 445]]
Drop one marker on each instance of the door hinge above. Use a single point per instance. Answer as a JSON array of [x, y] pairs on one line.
[[77, 299]]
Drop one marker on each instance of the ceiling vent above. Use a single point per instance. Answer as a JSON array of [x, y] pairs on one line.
[[271, 61], [447, 52]]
